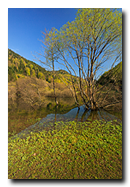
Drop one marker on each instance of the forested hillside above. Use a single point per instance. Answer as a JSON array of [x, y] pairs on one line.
[[113, 76], [29, 83], [19, 67]]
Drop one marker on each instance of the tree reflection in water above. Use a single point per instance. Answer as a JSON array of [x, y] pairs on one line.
[[76, 114]]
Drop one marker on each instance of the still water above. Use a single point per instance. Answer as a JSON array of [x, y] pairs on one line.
[[74, 114]]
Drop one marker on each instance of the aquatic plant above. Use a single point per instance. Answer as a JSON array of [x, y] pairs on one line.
[[70, 150]]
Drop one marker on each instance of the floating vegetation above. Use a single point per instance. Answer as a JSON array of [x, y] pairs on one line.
[[70, 150]]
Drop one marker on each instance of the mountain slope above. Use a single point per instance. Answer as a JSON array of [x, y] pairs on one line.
[[18, 67], [29, 84], [112, 76]]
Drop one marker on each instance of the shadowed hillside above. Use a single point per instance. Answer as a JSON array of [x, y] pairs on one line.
[[112, 76], [110, 86]]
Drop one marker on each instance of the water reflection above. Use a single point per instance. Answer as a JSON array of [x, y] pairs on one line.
[[22, 116], [76, 114]]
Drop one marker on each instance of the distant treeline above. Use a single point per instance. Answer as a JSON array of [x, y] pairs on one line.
[[19, 67]]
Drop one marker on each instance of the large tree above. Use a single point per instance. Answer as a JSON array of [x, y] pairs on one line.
[[84, 45]]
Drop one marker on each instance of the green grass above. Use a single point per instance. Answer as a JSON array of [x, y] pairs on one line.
[[70, 150]]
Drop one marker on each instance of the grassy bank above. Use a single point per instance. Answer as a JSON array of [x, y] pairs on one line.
[[70, 150]]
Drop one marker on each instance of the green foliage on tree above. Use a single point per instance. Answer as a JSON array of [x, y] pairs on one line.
[[11, 74], [27, 70], [31, 66], [33, 74], [40, 75], [92, 39]]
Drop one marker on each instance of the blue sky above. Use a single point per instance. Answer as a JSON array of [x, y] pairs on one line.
[[25, 26]]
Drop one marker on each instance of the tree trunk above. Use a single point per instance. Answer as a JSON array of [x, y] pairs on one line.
[[54, 80], [92, 90], [75, 95], [80, 84]]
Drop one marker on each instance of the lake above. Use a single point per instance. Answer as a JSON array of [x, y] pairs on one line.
[[22, 121]]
